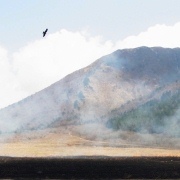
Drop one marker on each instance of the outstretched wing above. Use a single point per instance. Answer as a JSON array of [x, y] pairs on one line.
[[44, 32]]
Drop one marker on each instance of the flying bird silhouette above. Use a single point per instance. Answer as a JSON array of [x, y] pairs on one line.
[[44, 33]]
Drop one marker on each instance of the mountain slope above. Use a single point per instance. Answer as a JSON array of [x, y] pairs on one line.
[[155, 116], [90, 94]]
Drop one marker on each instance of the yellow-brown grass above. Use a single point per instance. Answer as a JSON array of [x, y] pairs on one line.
[[66, 143]]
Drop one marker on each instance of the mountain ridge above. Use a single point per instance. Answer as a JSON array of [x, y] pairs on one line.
[[89, 94]]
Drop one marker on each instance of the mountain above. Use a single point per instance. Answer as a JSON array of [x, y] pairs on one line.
[[123, 82], [157, 115]]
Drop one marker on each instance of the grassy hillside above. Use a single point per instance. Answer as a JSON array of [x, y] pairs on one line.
[[156, 116]]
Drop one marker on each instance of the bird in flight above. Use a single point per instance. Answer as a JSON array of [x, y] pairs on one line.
[[44, 33]]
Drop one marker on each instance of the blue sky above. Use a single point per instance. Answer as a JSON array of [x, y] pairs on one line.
[[80, 32], [23, 21]]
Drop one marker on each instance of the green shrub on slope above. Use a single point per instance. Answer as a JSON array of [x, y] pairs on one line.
[[155, 116]]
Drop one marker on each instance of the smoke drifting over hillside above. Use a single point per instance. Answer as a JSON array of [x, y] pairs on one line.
[[44, 61], [123, 91]]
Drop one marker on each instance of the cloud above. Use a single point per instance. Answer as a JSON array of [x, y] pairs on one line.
[[47, 60], [158, 35], [9, 85]]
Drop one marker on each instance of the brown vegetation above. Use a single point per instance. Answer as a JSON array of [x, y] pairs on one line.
[[73, 141]]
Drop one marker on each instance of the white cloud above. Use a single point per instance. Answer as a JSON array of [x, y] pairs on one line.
[[158, 35], [47, 60], [9, 92]]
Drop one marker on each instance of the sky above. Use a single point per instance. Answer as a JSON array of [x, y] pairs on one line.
[[79, 32]]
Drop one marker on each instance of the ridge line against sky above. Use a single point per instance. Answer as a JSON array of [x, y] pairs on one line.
[[79, 33], [45, 61]]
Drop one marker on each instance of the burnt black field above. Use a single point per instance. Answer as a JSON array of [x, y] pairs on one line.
[[83, 167]]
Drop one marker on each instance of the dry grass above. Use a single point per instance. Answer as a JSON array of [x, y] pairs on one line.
[[65, 142]]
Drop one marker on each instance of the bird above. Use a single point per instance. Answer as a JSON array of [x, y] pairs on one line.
[[44, 33]]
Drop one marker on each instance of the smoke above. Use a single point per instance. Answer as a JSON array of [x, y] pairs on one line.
[[45, 61], [152, 123], [54, 57], [172, 124], [7, 80]]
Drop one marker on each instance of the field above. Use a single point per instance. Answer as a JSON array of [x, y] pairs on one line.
[[87, 151], [77, 141]]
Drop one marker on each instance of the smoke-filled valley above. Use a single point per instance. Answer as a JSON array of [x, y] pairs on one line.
[[125, 103]]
